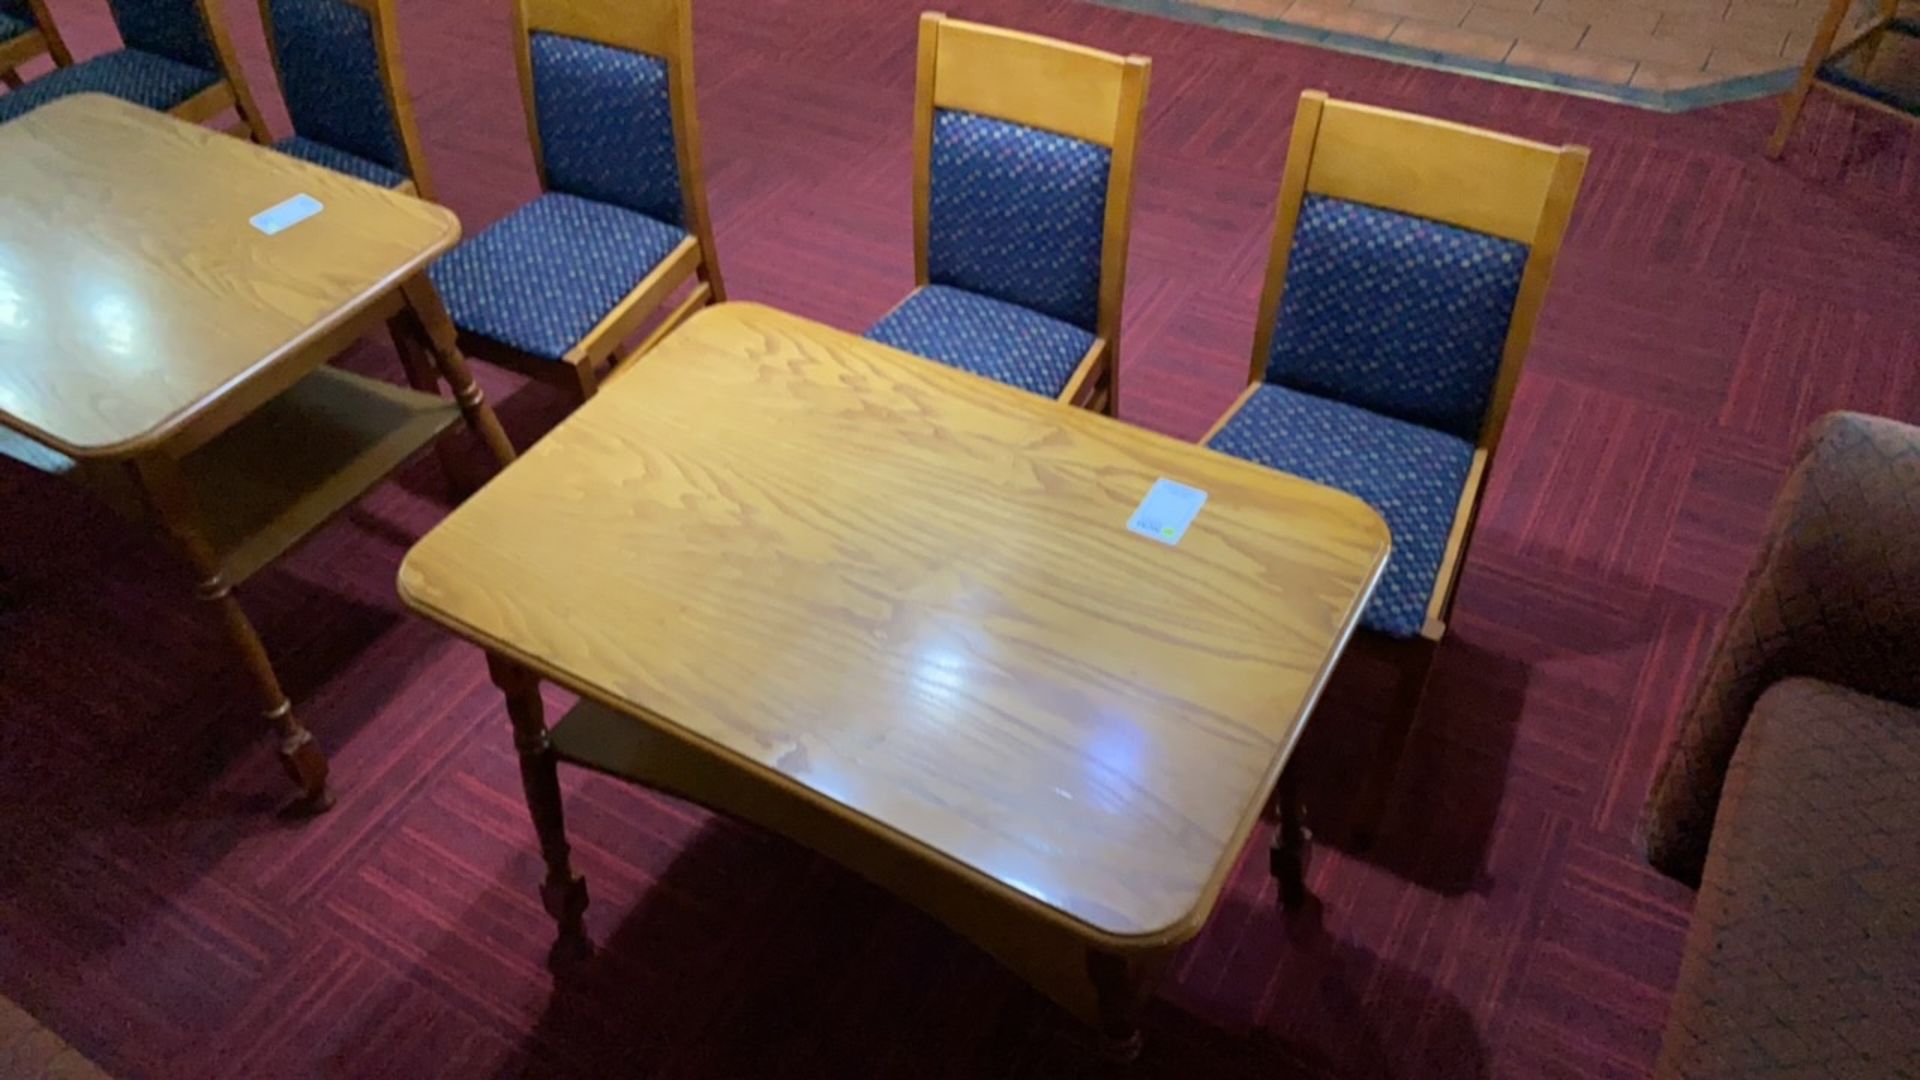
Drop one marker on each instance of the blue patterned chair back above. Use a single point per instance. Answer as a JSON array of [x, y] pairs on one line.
[[19, 11], [1397, 314], [605, 120], [1017, 214], [330, 74], [175, 29]]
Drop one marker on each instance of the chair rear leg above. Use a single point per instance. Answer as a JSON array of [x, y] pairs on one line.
[[1809, 70]]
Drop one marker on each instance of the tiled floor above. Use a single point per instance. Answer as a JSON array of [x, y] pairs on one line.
[[1642, 47], [28, 1051]]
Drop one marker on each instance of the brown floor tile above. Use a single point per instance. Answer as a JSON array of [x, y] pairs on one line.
[[1452, 40], [1606, 13], [1718, 33], [1644, 48], [1729, 61], [1543, 30], [1580, 65], [1449, 12], [1342, 19], [1649, 77]]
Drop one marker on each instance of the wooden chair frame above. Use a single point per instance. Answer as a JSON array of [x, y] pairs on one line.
[[1458, 175], [1818, 53], [393, 82], [1055, 86], [662, 28], [231, 92], [44, 38]]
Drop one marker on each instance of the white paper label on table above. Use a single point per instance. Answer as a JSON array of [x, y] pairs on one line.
[[280, 217], [1168, 509]]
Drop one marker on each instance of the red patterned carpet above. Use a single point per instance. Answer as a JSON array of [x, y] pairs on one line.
[[155, 913]]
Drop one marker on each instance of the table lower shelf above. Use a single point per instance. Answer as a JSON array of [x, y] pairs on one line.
[[267, 482]]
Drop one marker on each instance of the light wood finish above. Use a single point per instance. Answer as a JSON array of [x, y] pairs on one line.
[[232, 91], [156, 346], [330, 437], [662, 28], [1056, 86], [393, 83], [893, 610], [1463, 176], [1819, 51], [44, 39], [139, 307], [1447, 172], [1037, 81]]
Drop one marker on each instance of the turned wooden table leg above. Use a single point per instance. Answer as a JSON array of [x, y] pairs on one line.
[[564, 893], [166, 494], [427, 318], [1287, 859], [1121, 985]]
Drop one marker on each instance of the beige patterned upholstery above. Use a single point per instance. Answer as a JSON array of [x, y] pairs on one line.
[[1834, 595], [1799, 757]]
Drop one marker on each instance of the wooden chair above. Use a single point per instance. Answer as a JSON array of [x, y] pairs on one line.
[[1410, 258], [1023, 153], [1845, 71], [559, 285], [178, 59], [339, 68], [27, 31]]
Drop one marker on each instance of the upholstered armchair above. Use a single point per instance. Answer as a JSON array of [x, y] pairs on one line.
[[1791, 793]]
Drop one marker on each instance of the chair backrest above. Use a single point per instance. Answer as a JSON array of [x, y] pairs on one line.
[[1410, 259], [339, 66], [1023, 169], [608, 88], [179, 30]]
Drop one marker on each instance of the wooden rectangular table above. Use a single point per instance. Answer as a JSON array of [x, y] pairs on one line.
[[894, 611], [157, 345]]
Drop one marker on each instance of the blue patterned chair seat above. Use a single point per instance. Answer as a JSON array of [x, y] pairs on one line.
[[541, 277], [1002, 341], [329, 157], [140, 77], [12, 27], [1412, 475]]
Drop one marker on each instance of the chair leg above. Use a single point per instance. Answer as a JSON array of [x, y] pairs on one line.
[[1413, 660], [1292, 844], [11, 79], [1809, 69]]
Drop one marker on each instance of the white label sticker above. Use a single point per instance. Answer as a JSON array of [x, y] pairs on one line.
[[283, 216], [1167, 510]]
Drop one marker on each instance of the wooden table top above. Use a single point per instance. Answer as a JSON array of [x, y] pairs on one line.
[[134, 292], [911, 593]]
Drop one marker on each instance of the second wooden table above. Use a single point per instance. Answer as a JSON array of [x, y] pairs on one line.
[[894, 611]]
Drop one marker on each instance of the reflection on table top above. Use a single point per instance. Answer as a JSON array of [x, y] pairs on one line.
[[134, 292], [912, 592]]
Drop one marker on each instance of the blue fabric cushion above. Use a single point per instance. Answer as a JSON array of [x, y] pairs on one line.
[[1002, 341], [174, 29], [606, 125], [330, 77], [541, 277], [142, 78], [1017, 214], [1412, 475], [1397, 314], [340, 161]]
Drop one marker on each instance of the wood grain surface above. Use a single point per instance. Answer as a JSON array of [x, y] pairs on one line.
[[134, 293], [910, 593]]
